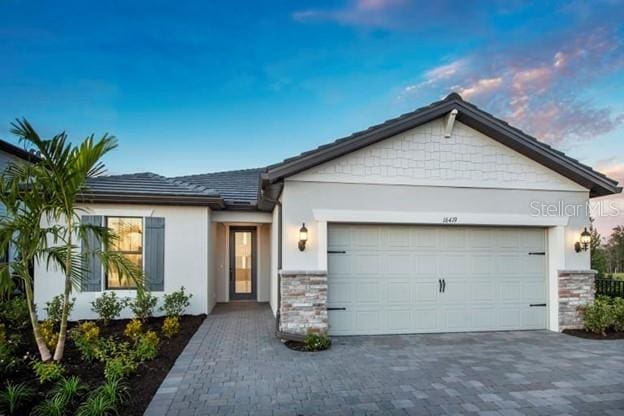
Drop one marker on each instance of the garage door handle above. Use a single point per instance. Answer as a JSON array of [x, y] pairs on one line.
[[336, 309], [443, 285], [532, 305], [440, 285]]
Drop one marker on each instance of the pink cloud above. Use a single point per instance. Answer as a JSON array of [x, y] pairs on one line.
[[480, 87], [538, 87], [611, 207]]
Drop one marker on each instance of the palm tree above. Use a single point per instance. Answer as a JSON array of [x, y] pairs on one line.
[[54, 186], [22, 228]]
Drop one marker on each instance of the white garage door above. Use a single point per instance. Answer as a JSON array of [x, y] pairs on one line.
[[399, 279]]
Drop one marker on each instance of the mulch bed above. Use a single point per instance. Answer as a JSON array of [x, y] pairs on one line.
[[296, 346], [581, 333], [142, 385]]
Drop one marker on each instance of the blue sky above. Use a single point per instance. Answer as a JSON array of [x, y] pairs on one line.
[[191, 87]]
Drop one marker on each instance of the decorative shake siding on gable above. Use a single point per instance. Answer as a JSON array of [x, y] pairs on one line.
[[423, 156], [304, 302], [576, 289]]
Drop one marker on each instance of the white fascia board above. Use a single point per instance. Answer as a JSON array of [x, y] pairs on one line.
[[242, 217], [450, 218]]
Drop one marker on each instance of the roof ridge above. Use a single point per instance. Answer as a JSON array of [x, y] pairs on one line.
[[218, 172]]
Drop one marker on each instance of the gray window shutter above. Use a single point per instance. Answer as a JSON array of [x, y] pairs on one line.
[[92, 281], [155, 253]]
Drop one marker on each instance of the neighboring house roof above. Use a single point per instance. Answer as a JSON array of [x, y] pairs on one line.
[[236, 187], [470, 115], [148, 187], [18, 152]]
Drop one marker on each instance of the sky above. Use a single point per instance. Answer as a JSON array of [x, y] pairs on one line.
[[195, 87]]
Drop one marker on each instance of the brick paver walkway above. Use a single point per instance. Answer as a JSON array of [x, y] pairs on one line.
[[235, 365]]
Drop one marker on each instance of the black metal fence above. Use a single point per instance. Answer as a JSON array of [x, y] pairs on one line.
[[610, 287]]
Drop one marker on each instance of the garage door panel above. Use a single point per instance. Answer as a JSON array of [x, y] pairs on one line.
[[426, 266], [341, 322], [398, 292], [365, 237], [395, 237], [365, 264], [339, 264], [398, 264], [388, 279], [426, 291], [339, 237], [340, 293], [368, 292], [534, 292], [453, 265], [480, 238], [482, 290], [424, 237], [399, 320], [511, 291], [452, 238], [368, 321]]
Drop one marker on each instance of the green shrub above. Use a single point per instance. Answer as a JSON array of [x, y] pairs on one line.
[[14, 313], [48, 333], [54, 308], [52, 406], [68, 389], [146, 347], [171, 326], [143, 305], [598, 317], [316, 342], [9, 344], [109, 348], [105, 399], [119, 367], [13, 397], [133, 329], [108, 306], [618, 314], [48, 371], [176, 302], [86, 337]]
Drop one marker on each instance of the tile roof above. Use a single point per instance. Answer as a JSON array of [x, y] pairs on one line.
[[553, 158], [147, 186], [235, 186]]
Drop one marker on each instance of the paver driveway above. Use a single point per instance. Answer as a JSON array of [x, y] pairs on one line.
[[235, 365]]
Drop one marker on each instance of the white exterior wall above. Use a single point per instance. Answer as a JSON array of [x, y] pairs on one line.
[[186, 259]]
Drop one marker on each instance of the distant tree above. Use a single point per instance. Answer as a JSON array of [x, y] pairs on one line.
[[615, 249], [598, 252]]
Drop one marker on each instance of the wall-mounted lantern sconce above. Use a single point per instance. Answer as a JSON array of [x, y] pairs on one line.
[[583, 244], [303, 237]]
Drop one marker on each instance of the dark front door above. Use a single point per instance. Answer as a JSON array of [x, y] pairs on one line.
[[242, 263]]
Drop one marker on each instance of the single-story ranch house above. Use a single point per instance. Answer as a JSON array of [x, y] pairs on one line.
[[443, 219]]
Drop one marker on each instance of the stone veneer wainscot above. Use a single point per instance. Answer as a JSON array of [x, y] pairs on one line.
[[303, 307], [576, 289]]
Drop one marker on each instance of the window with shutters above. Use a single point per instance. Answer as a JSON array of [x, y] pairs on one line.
[[129, 231]]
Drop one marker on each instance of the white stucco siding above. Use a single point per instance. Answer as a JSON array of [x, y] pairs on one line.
[[315, 202], [423, 156], [186, 258]]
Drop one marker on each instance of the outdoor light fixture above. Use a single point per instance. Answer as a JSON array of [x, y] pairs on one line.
[[303, 237], [583, 244]]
